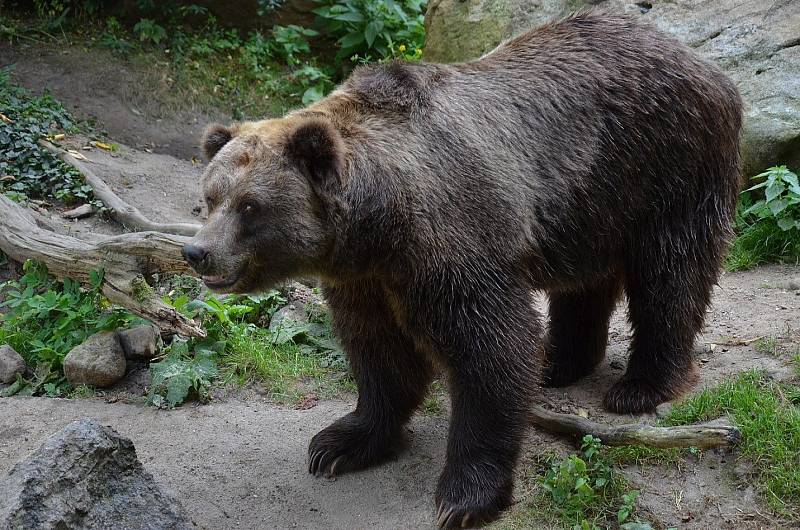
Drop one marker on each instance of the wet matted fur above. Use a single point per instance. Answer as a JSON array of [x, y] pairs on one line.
[[587, 158]]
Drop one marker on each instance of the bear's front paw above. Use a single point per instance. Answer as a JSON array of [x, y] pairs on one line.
[[462, 502], [349, 444], [636, 395]]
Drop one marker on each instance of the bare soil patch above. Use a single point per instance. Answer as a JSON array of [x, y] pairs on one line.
[[133, 102]]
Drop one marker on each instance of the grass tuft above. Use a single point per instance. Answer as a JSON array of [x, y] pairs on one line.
[[763, 242], [766, 412]]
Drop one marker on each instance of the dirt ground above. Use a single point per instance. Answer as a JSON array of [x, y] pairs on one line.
[[240, 462]]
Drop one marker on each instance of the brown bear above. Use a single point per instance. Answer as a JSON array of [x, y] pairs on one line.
[[587, 158]]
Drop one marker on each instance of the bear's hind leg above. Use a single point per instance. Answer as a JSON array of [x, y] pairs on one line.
[[578, 332], [392, 380], [668, 296]]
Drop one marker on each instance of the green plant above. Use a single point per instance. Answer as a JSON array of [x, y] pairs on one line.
[[180, 373], [291, 41], [768, 228], [781, 198], [585, 491], [26, 169], [364, 28], [56, 13], [149, 31], [315, 82], [47, 318], [248, 350], [113, 37]]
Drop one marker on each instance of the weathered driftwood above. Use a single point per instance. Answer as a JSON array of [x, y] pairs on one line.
[[126, 259], [702, 436], [128, 216]]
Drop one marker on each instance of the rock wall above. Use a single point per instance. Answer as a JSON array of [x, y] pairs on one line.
[[757, 42]]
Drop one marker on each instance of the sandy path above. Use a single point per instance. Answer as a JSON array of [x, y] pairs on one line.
[[243, 464]]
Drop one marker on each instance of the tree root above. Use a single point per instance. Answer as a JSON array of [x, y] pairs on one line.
[[128, 216], [702, 436]]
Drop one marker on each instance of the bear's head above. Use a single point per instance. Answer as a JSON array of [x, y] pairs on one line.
[[268, 187]]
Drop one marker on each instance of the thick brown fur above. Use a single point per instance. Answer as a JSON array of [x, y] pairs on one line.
[[590, 157]]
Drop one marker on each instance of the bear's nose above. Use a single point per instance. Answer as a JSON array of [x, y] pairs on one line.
[[196, 256]]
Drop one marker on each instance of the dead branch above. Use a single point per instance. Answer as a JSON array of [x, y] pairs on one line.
[[128, 216], [702, 436], [126, 259]]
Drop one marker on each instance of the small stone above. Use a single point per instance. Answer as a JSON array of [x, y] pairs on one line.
[[11, 364], [140, 342], [86, 476], [583, 413], [99, 361], [288, 315], [663, 409], [84, 210]]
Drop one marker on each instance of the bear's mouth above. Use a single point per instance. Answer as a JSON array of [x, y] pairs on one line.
[[220, 282]]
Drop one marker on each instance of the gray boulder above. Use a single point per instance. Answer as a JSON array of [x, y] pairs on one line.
[[99, 361], [86, 477], [140, 342], [11, 364], [757, 42]]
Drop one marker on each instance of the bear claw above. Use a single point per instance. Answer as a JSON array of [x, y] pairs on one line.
[[349, 445], [315, 461], [452, 517]]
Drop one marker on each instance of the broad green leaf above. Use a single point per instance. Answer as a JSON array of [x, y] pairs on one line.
[[372, 31], [350, 16], [777, 206], [178, 389], [351, 40], [312, 95], [757, 186], [787, 223], [774, 190]]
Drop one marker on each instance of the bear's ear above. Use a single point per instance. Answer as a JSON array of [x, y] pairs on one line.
[[317, 149], [215, 137]]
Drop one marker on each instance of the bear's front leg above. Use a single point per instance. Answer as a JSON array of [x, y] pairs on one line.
[[392, 380], [487, 338]]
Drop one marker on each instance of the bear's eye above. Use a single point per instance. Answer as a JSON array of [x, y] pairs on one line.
[[248, 208], [210, 203]]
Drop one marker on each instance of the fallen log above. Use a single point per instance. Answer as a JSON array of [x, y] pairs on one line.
[[126, 260], [125, 214], [702, 435]]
